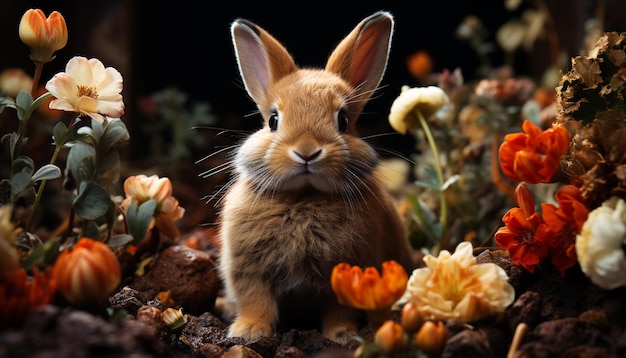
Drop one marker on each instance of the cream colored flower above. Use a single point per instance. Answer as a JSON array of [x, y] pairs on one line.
[[599, 245], [456, 287], [141, 188], [427, 100], [88, 88], [13, 81], [393, 173]]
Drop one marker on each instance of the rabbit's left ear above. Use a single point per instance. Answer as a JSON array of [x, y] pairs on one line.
[[361, 57], [261, 58]]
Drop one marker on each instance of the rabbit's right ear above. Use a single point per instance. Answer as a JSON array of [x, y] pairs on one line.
[[262, 60]]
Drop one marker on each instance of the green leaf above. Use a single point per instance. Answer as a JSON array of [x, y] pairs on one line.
[[139, 219], [6, 102], [42, 254], [23, 101], [120, 240], [13, 146], [92, 201], [22, 164], [60, 134], [428, 184], [114, 134], [21, 185], [47, 172], [80, 161]]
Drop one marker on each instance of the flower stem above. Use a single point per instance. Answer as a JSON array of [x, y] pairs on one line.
[[33, 209], [443, 214], [31, 216]]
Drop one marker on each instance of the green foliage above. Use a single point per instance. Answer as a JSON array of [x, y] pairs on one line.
[[139, 219]]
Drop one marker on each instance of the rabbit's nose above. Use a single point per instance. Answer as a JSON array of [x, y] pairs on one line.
[[308, 157]]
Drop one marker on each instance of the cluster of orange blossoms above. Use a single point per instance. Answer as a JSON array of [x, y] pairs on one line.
[[530, 236], [534, 157]]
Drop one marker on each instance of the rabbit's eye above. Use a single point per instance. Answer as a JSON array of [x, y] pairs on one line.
[[342, 121], [273, 120]]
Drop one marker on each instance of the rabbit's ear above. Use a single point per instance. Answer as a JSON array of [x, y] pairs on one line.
[[261, 58], [361, 57]]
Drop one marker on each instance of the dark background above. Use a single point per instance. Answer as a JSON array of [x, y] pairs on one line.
[[187, 44]]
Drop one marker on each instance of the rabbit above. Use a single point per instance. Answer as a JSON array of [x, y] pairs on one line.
[[303, 195]]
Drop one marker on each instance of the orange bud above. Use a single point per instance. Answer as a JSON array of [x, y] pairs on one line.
[[390, 338], [87, 273], [420, 64], [411, 318], [431, 338], [43, 35]]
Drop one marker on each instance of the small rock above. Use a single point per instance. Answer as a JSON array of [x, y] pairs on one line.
[[187, 273]]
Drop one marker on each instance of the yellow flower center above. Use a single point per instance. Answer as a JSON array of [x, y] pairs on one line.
[[87, 91], [452, 293]]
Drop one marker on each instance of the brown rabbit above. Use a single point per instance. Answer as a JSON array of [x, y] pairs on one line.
[[303, 196]]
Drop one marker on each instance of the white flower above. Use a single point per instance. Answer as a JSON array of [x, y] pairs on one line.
[[88, 88], [456, 287], [427, 100], [599, 244]]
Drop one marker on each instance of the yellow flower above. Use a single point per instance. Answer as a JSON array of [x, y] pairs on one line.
[[367, 289], [43, 36], [599, 245], [427, 100], [87, 273], [456, 287], [88, 88], [141, 188]]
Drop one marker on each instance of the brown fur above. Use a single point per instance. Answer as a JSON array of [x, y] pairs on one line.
[[303, 196]]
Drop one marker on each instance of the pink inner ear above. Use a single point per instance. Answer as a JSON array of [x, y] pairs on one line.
[[252, 59], [363, 63]]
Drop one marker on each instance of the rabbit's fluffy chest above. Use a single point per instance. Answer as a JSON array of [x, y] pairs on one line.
[[293, 240]]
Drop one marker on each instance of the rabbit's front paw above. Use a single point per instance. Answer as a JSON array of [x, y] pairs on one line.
[[250, 330]]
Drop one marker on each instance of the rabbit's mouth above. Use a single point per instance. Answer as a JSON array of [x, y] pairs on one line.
[[307, 179]]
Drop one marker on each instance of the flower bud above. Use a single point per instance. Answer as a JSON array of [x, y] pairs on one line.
[[431, 338], [43, 35], [174, 319], [87, 273], [411, 318], [390, 338]]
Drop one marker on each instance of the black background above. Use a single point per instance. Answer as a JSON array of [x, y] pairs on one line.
[[187, 44]]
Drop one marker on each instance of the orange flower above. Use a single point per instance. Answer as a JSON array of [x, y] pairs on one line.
[[87, 273], [519, 235], [367, 289], [43, 36], [565, 222], [141, 188], [21, 294], [533, 157]]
